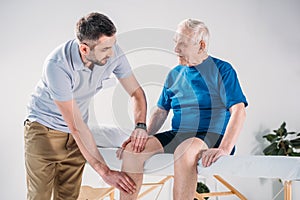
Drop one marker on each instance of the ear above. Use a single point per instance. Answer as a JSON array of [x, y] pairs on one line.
[[84, 49], [202, 46]]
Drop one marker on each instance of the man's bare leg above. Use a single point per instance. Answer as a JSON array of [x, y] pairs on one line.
[[186, 157], [133, 164]]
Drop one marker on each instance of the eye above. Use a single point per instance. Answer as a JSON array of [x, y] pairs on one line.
[[182, 44], [105, 49]]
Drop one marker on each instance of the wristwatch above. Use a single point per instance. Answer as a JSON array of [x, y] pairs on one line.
[[141, 126]]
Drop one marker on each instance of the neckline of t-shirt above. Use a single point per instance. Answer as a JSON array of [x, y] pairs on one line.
[[205, 61]]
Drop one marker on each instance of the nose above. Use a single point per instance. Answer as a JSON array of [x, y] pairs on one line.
[[177, 49], [110, 53]]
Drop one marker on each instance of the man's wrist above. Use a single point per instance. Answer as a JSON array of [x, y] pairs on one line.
[[141, 125], [102, 169], [225, 149]]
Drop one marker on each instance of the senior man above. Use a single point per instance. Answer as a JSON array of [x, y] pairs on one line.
[[208, 113]]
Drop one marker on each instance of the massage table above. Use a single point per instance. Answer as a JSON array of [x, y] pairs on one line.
[[109, 138]]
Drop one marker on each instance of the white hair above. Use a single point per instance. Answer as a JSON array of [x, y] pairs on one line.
[[199, 29]]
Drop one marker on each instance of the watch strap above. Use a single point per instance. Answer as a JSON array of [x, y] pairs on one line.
[[141, 126]]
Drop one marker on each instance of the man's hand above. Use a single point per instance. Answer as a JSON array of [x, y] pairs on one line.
[[138, 141], [210, 156], [119, 180]]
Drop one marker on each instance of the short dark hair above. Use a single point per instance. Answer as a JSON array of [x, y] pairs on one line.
[[93, 26]]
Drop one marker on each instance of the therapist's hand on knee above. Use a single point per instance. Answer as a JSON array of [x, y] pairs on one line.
[[137, 142], [119, 180], [137, 139]]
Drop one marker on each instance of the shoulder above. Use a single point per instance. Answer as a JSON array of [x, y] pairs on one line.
[[174, 75], [61, 52], [222, 65], [61, 57], [176, 70]]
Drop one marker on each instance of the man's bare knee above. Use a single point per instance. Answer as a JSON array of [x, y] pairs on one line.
[[189, 152], [130, 154], [134, 162]]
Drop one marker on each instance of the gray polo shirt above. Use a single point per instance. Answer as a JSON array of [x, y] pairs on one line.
[[65, 78]]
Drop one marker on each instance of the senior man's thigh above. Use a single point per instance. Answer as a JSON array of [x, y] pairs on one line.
[[153, 146], [192, 147]]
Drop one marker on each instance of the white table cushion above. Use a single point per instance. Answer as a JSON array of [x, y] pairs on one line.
[[283, 167]]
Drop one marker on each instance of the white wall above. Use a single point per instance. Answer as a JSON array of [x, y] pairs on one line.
[[261, 38]]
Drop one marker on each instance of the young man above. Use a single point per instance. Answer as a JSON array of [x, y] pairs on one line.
[[208, 113], [58, 141]]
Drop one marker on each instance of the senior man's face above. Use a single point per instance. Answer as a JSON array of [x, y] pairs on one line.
[[186, 47]]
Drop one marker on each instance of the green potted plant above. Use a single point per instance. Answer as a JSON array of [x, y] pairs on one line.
[[202, 188], [283, 143]]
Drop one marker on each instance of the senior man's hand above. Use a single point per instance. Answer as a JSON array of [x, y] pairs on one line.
[[211, 155]]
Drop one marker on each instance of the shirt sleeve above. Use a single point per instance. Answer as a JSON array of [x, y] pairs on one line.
[[123, 68], [230, 89], [58, 81], [164, 102]]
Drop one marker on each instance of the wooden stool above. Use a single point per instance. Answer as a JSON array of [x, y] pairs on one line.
[[89, 193]]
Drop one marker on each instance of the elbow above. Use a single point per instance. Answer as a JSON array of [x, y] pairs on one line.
[[162, 113], [138, 93], [239, 111]]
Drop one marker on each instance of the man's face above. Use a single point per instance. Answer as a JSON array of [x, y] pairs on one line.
[[186, 47], [102, 51]]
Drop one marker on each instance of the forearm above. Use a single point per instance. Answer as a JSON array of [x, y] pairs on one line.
[[88, 148], [82, 135], [138, 98], [156, 121], [139, 105], [234, 127]]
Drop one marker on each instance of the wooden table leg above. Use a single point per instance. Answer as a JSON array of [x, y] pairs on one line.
[[288, 190], [230, 187], [112, 195]]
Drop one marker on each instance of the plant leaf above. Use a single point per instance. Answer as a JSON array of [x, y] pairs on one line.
[[291, 133], [282, 132], [202, 188], [281, 152], [271, 149], [289, 151], [283, 125], [270, 137], [295, 143], [295, 154]]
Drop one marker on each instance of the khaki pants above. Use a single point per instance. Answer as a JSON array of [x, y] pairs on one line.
[[54, 164]]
